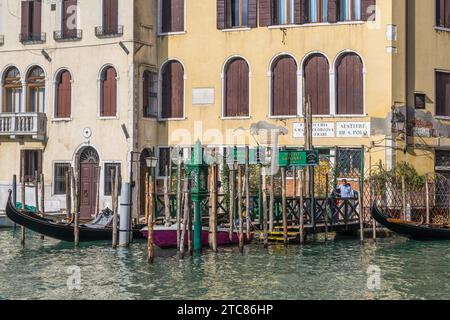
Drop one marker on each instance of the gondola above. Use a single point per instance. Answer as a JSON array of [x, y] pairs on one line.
[[60, 231], [412, 230]]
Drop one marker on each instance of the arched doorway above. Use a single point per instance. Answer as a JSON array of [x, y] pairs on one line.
[[89, 179]]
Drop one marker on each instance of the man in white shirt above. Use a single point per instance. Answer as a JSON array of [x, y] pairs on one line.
[[346, 190]]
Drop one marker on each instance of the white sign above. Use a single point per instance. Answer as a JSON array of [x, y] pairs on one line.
[[202, 96], [320, 130], [353, 129]]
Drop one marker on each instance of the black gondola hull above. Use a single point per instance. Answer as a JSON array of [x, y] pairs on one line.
[[416, 232], [62, 232]]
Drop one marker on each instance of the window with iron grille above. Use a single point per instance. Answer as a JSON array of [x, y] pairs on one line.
[[59, 178], [163, 161], [150, 94], [107, 183]]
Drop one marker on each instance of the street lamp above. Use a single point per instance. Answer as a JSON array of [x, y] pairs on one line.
[[151, 162]]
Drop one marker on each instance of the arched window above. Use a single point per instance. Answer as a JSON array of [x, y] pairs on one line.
[[35, 90], [63, 107], [317, 84], [172, 90], [108, 92], [237, 88], [284, 87], [350, 86], [12, 91]]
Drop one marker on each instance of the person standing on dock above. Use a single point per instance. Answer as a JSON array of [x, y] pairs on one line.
[[347, 193], [346, 190]]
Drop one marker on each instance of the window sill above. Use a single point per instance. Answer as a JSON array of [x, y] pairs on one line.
[[174, 33], [283, 117], [315, 24], [437, 28], [350, 116], [445, 118], [107, 118], [172, 119], [61, 119], [236, 29], [236, 118]]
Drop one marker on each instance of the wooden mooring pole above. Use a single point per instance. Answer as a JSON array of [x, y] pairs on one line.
[[23, 199], [68, 198], [241, 222], [36, 191], [247, 194], [213, 211], [42, 198], [302, 208], [361, 215], [232, 184], [76, 220], [283, 205], [179, 208], [264, 208], [403, 216], [185, 200], [115, 204], [166, 199], [150, 203], [427, 196], [271, 201]]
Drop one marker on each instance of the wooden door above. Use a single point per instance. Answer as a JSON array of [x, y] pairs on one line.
[[88, 194]]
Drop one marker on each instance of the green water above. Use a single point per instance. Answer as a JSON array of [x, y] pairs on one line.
[[332, 270]]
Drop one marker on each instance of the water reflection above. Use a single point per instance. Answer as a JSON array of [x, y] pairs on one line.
[[322, 270]]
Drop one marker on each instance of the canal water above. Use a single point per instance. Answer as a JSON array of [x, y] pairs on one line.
[[398, 269]]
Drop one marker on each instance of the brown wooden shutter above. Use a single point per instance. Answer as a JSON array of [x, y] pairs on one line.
[[64, 96], [109, 93], [350, 85], [317, 84], [173, 91], [221, 24], [37, 14], [25, 18], [237, 89], [333, 11], [265, 13], [368, 9], [110, 15], [284, 87], [252, 15], [177, 15], [178, 90]]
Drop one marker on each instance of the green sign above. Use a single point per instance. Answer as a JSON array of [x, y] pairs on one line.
[[298, 158], [239, 155]]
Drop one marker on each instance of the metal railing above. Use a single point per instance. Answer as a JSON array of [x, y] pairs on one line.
[[109, 31], [30, 38], [23, 124], [70, 35]]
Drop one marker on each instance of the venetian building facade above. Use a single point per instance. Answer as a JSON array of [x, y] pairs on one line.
[[136, 76], [361, 63], [72, 92]]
